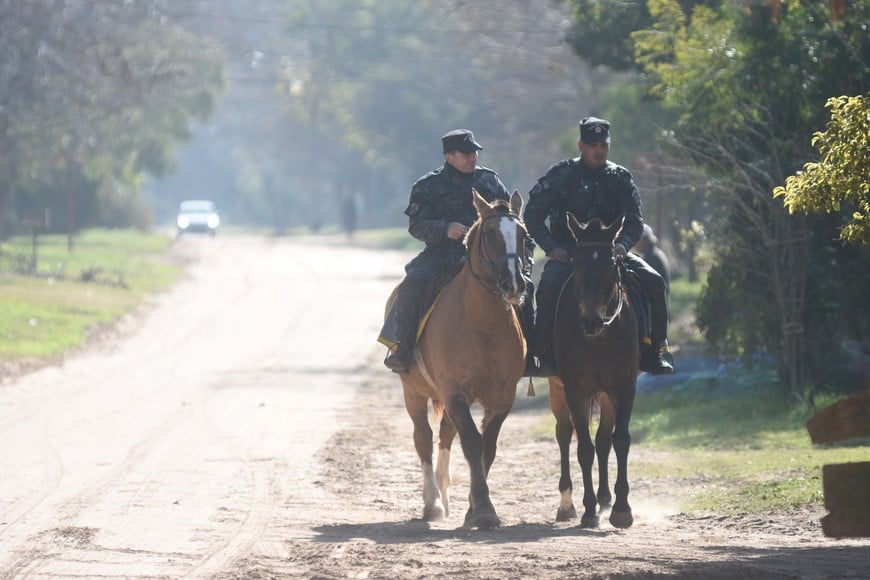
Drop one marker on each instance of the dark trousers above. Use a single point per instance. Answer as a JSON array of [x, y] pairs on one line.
[[419, 274], [556, 273]]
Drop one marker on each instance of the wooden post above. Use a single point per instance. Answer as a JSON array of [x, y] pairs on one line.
[[846, 485]]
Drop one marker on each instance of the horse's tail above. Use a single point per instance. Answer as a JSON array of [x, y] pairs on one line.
[[437, 409]]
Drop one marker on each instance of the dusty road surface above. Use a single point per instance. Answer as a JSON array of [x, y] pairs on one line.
[[243, 426]]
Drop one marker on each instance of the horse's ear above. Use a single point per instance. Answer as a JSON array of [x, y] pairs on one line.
[[479, 202], [575, 226], [516, 202]]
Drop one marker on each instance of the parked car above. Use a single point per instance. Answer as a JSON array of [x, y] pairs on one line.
[[197, 215]]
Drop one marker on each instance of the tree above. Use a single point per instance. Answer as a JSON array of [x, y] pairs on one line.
[[386, 79], [840, 178], [95, 92], [747, 79]]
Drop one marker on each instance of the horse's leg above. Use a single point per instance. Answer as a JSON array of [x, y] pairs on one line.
[[481, 513], [579, 406], [491, 428], [603, 444], [418, 409], [620, 515], [564, 431], [446, 435]]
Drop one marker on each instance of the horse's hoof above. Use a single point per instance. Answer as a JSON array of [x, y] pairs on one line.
[[621, 519], [433, 514], [483, 522], [589, 521], [565, 514]]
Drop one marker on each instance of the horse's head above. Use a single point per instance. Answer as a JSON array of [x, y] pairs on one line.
[[497, 241], [596, 273]]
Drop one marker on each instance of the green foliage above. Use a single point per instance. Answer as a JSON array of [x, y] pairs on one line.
[[747, 79], [53, 307], [603, 32], [840, 178], [734, 424], [96, 93]]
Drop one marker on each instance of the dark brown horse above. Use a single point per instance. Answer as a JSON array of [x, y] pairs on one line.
[[472, 351], [596, 350]]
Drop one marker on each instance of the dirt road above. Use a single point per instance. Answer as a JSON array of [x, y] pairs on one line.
[[244, 427]]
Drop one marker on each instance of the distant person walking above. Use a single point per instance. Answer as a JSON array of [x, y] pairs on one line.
[[348, 215]]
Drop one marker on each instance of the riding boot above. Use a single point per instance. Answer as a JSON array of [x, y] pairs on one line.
[[657, 359], [545, 320], [527, 322], [399, 359]]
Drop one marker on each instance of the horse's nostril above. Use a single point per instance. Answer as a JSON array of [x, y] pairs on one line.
[[591, 325]]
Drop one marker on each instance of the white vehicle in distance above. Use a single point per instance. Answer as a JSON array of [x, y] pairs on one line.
[[197, 215]]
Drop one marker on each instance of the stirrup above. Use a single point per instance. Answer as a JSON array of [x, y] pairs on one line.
[[658, 361], [398, 360]]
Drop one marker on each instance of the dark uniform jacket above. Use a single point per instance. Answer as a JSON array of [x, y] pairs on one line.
[[570, 186], [443, 196]]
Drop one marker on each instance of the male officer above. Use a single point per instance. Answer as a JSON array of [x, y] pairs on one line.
[[590, 186], [440, 212]]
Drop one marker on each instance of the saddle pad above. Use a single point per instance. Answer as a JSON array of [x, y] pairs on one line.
[[389, 336]]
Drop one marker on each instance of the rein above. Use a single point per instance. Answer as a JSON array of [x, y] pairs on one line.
[[494, 265]]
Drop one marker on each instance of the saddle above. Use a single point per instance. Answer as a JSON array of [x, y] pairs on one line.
[[428, 298]]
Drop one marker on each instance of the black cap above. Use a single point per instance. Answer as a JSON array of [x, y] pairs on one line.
[[594, 130], [461, 140]]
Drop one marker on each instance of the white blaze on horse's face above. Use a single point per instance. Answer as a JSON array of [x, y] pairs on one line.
[[508, 229]]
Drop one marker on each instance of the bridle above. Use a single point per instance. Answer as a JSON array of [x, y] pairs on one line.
[[493, 265], [619, 292]]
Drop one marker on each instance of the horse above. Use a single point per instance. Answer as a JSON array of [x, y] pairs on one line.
[[471, 351], [596, 348]]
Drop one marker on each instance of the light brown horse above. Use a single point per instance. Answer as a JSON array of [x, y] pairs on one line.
[[471, 351], [596, 350]]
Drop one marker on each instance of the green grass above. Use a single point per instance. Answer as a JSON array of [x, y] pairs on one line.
[[738, 432], [51, 308], [734, 440]]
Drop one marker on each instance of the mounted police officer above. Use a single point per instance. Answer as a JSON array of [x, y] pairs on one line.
[[590, 186], [440, 212]]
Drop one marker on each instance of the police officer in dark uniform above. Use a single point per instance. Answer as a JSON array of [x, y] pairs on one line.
[[590, 186], [440, 212], [647, 248]]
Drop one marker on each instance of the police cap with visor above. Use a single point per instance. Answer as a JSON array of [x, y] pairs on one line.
[[461, 140], [594, 130]]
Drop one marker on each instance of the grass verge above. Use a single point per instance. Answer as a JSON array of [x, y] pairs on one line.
[[737, 434], [49, 303]]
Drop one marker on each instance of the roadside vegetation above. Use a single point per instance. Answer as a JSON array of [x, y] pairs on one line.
[[52, 300], [732, 430]]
